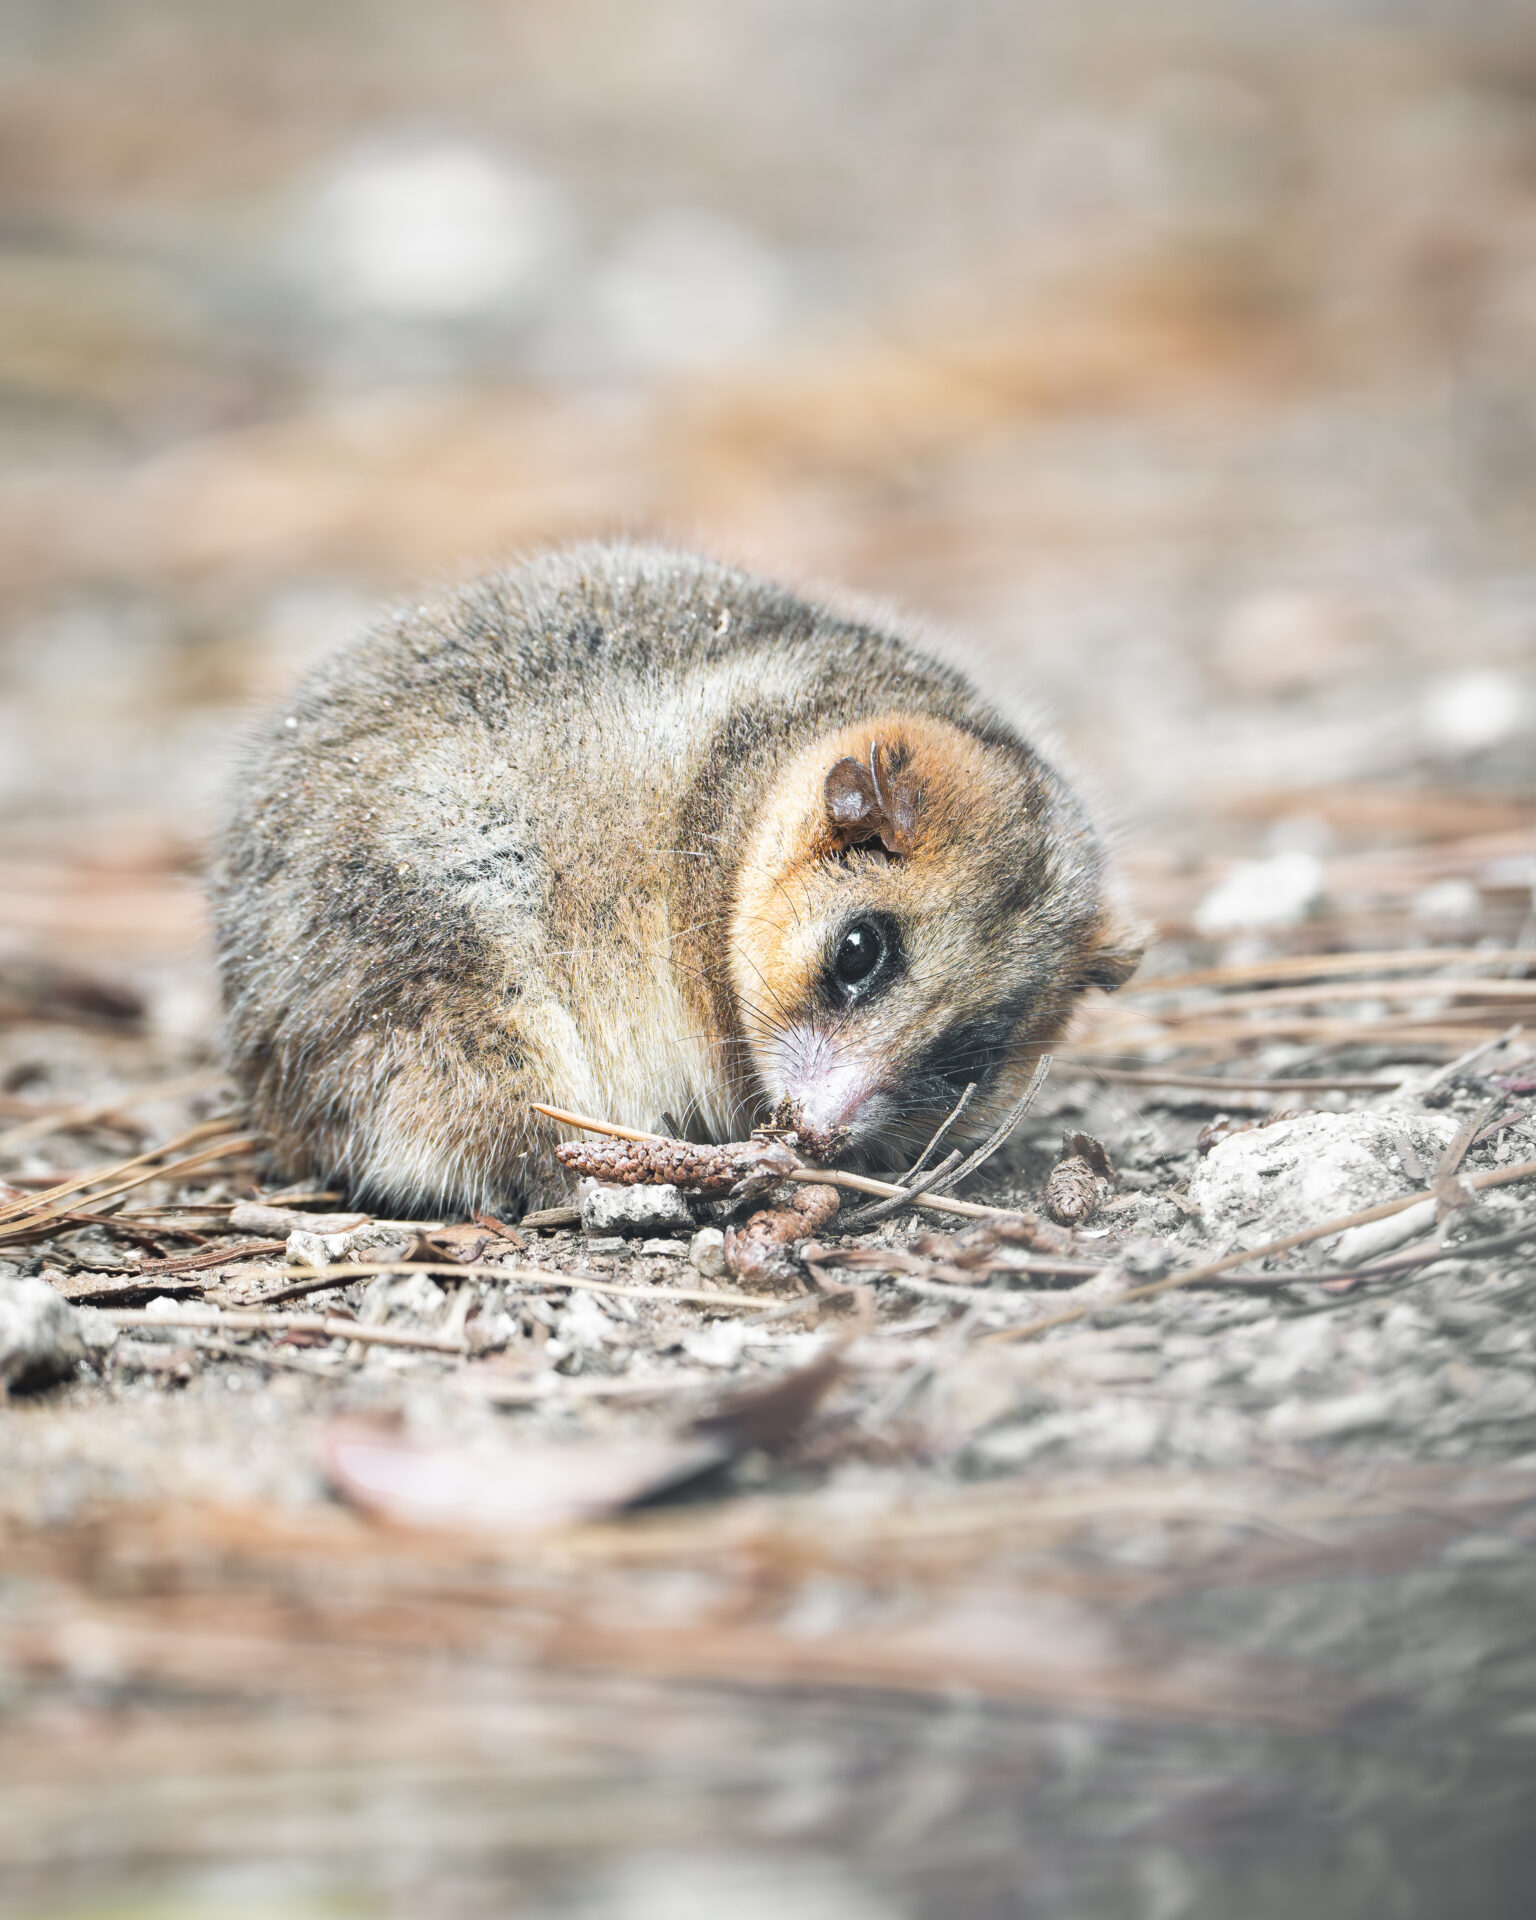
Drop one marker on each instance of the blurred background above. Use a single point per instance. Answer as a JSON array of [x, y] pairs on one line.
[[1173, 365]]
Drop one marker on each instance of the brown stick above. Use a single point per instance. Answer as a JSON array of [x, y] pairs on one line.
[[1500, 1177], [928, 1202], [1205, 1026], [110, 1172], [1211, 1083], [67, 1117], [1428, 987], [593, 1126], [1320, 965], [1459, 1147], [331, 1327], [39, 1223], [208, 1257], [321, 1277], [899, 1260]]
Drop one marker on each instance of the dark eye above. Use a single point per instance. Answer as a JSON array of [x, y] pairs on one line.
[[862, 950], [866, 956]]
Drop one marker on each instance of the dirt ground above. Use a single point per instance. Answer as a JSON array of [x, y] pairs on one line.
[[1179, 377]]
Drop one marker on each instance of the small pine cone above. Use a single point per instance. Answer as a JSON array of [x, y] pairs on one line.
[[741, 1167], [758, 1252], [1072, 1192]]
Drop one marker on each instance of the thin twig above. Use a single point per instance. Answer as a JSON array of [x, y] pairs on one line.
[[1431, 986], [318, 1278], [1502, 1123], [871, 1216], [1459, 1146], [926, 1289], [1503, 1176], [1320, 965], [944, 1127], [588, 1125], [1211, 1083], [206, 1257], [217, 1320], [70, 1117], [74, 1183], [900, 1260], [1427, 1253], [950, 1175], [927, 1202], [37, 1224], [1473, 1055], [1450, 1027], [1005, 1128]]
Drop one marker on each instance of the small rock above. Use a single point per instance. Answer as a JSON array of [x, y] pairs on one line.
[[1323, 1419], [706, 1253], [719, 1345], [1115, 1430], [1146, 1259], [633, 1210], [494, 1329], [1213, 1435], [673, 1248], [1277, 892], [1300, 1173], [95, 1329], [1106, 1366], [984, 1386], [584, 1324], [145, 1356], [1503, 1396], [1506, 1340], [1296, 1348], [1457, 1315], [42, 1336], [165, 1306], [306, 1248], [413, 1296]]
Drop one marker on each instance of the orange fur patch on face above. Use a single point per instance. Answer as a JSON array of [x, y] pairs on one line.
[[951, 785]]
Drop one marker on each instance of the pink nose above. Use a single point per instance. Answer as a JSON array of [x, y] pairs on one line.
[[822, 1078]]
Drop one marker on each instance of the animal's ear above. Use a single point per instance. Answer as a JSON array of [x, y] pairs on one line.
[[1114, 956], [872, 803], [853, 807]]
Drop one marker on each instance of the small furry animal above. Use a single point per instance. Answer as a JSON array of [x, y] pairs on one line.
[[636, 834]]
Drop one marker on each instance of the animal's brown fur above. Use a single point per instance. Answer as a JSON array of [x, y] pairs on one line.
[[563, 835]]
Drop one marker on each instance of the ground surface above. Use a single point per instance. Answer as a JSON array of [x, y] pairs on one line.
[[1181, 380]]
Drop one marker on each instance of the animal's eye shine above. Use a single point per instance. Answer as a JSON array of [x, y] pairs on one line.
[[860, 953], [866, 957]]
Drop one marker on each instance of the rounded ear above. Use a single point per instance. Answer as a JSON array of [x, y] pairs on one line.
[[1115, 955], [853, 805], [871, 803]]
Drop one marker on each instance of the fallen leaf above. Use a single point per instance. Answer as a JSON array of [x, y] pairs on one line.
[[510, 1489], [770, 1415]]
